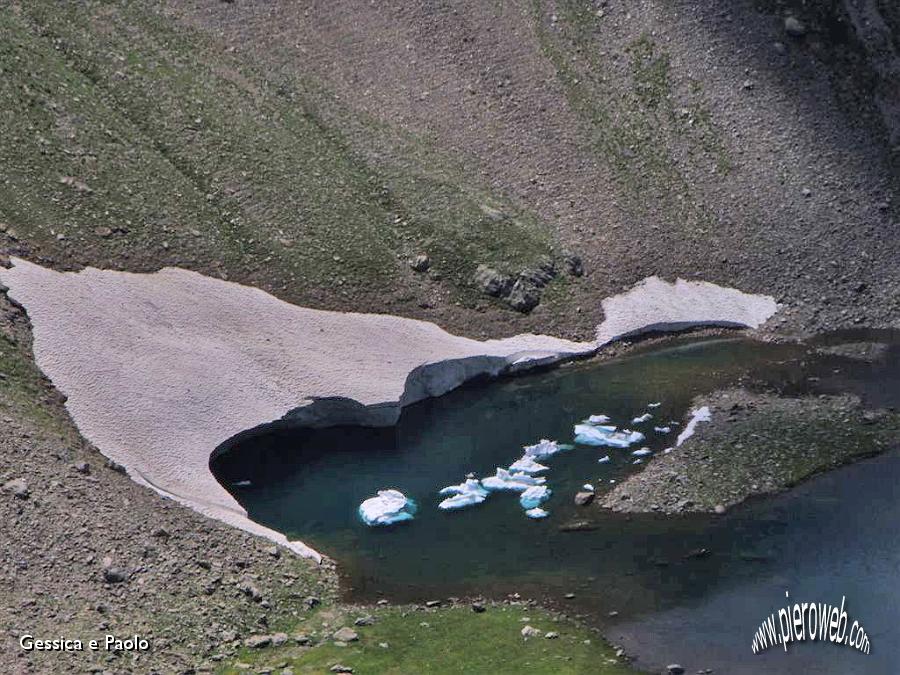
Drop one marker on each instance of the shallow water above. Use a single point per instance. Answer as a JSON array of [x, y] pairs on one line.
[[833, 536]]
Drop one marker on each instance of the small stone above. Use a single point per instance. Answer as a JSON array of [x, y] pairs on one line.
[[312, 601], [279, 639], [552, 635], [114, 575], [250, 591], [258, 641], [574, 266], [18, 488], [674, 669], [103, 231], [420, 263], [82, 467], [530, 631], [583, 498], [345, 634], [794, 27], [433, 603], [719, 509], [367, 620], [340, 668], [303, 640], [569, 596], [274, 551], [478, 607]]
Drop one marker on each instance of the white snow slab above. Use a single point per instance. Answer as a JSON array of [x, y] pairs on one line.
[[654, 304], [536, 513], [387, 508], [643, 452], [161, 369], [603, 460], [643, 418], [544, 449], [598, 419], [697, 416]]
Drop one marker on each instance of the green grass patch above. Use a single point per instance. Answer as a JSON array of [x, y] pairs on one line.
[[447, 640]]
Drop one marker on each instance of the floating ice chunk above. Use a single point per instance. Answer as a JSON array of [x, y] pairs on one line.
[[242, 483], [462, 500], [643, 452], [603, 460], [638, 461], [544, 449], [588, 434], [536, 512], [587, 487], [527, 465], [534, 496], [697, 416], [643, 418], [654, 405], [390, 506], [517, 482], [465, 494], [598, 419], [662, 430]]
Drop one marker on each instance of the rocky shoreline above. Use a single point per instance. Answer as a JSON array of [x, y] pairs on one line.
[[755, 443]]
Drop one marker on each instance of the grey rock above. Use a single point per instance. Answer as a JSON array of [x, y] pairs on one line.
[[340, 668], [524, 296], [541, 275], [433, 603], [420, 263], [250, 591], [279, 639], [345, 634], [258, 641], [719, 509], [794, 27], [17, 487], [583, 498], [551, 635], [478, 607], [530, 631], [82, 467], [367, 620], [303, 640], [574, 265], [115, 575], [492, 282]]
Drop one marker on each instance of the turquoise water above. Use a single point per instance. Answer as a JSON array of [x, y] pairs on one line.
[[833, 536]]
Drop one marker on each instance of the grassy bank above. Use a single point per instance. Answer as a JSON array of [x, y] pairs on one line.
[[440, 640]]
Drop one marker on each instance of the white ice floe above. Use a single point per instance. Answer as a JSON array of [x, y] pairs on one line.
[[603, 460], [505, 480], [638, 461], [527, 464], [390, 506], [242, 483], [589, 434], [643, 418], [544, 449], [587, 487], [536, 512], [598, 419], [534, 496], [465, 494], [697, 416], [643, 452], [662, 430], [654, 405]]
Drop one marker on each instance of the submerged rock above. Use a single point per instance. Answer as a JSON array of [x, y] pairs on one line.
[[390, 506]]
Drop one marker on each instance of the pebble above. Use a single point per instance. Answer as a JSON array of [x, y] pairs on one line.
[[18, 488], [530, 631]]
